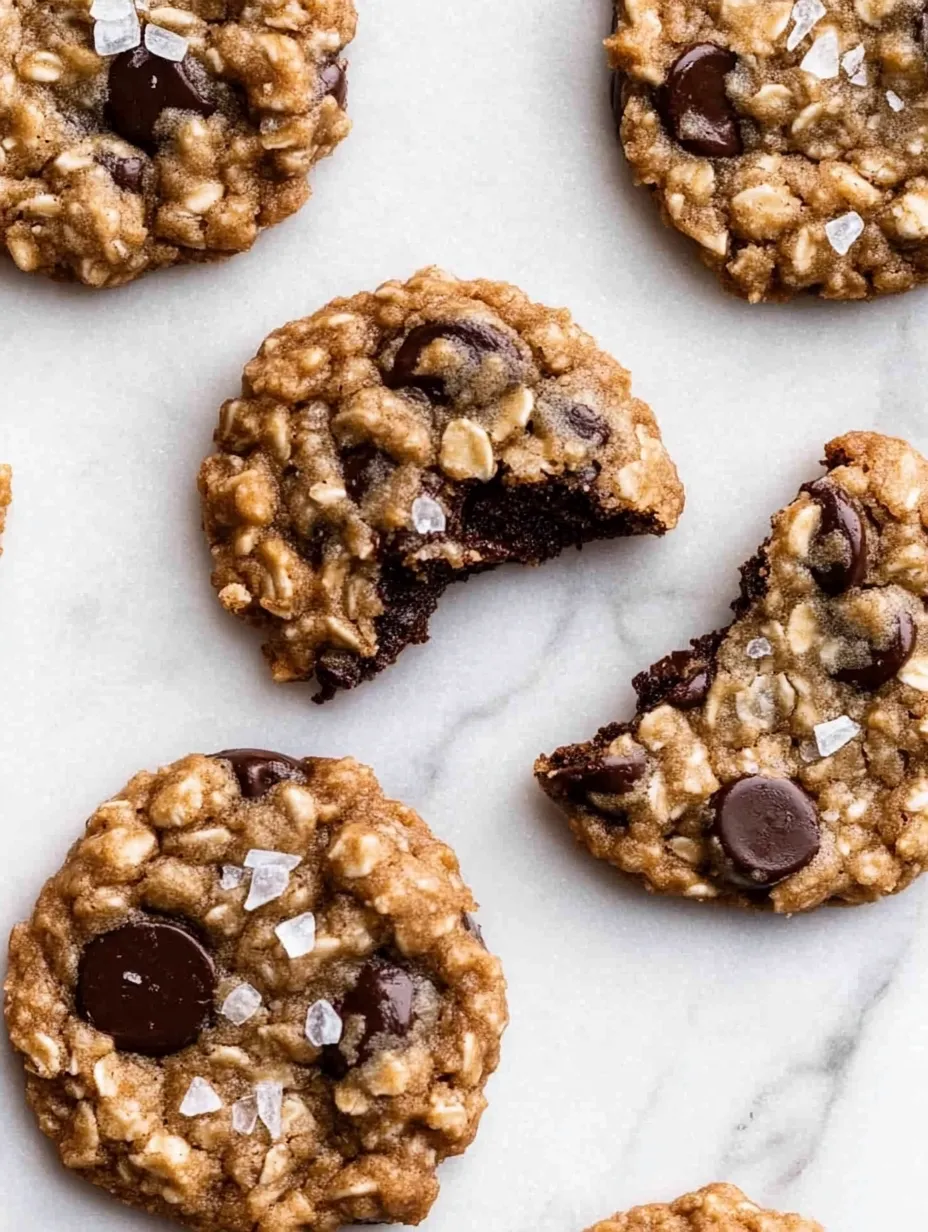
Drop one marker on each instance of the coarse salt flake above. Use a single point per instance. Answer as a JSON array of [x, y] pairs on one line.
[[257, 857], [835, 734], [758, 648], [845, 231], [200, 1099], [267, 883], [111, 10], [821, 60], [269, 1097], [806, 15], [132, 977], [241, 1004], [111, 38], [297, 936], [428, 517], [894, 100], [165, 43], [323, 1024], [853, 64], [231, 876], [245, 1115]]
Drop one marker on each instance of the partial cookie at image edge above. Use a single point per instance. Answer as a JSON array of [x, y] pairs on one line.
[[6, 497], [716, 1208]]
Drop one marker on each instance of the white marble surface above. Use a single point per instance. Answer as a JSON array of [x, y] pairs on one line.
[[654, 1045]]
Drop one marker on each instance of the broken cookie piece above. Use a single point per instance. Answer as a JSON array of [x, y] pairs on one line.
[[6, 496], [254, 996], [716, 1208], [404, 439], [782, 762]]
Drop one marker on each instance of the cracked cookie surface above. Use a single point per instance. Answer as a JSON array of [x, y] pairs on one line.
[[783, 761], [254, 1000], [717, 1208], [400, 440], [787, 139], [136, 136]]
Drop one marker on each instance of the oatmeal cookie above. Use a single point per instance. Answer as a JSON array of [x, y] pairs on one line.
[[404, 439], [137, 135], [717, 1208], [6, 495], [782, 762], [254, 999], [787, 139]]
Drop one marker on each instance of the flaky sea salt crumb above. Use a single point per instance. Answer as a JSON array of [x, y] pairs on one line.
[[297, 936], [241, 1004], [165, 43], [853, 64], [231, 876], [245, 1115], [111, 10], [428, 517], [845, 231], [200, 1099], [758, 648], [835, 734], [806, 15], [257, 857], [323, 1024], [269, 1097], [821, 60], [132, 977], [894, 100], [267, 883], [111, 38]]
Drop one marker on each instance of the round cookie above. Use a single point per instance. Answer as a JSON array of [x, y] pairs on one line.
[[400, 440], [784, 138], [136, 136], [717, 1208], [253, 998], [782, 762]]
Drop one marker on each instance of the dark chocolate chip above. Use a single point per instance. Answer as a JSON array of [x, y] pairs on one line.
[[363, 468], [149, 984], [257, 770], [610, 775], [382, 998], [695, 106], [586, 423], [142, 86], [841, 527], [337, 669], [127, 173], [473, 928], [476, 337], [767, 828], [680, 679], [885, 661], [334, 79]]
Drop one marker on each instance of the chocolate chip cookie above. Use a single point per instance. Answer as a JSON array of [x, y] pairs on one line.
[[717, 1208], [254, 998], [401, 440], [782, 762], [135, 135], [785, 138], [6, 495]]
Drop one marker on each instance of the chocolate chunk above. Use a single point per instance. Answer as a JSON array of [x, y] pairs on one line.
[[142, 86], [334, 80], [382, 998], [587, 423], [680, 679], [886, 661], [610, 775], [767, 828], [694, 104], [842, 528], [337, 669], [477, 339], [363, 468], [257, 770], [127, 173], [149, 984]]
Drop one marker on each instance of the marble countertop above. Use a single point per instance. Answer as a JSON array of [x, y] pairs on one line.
[[654, 1046]]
